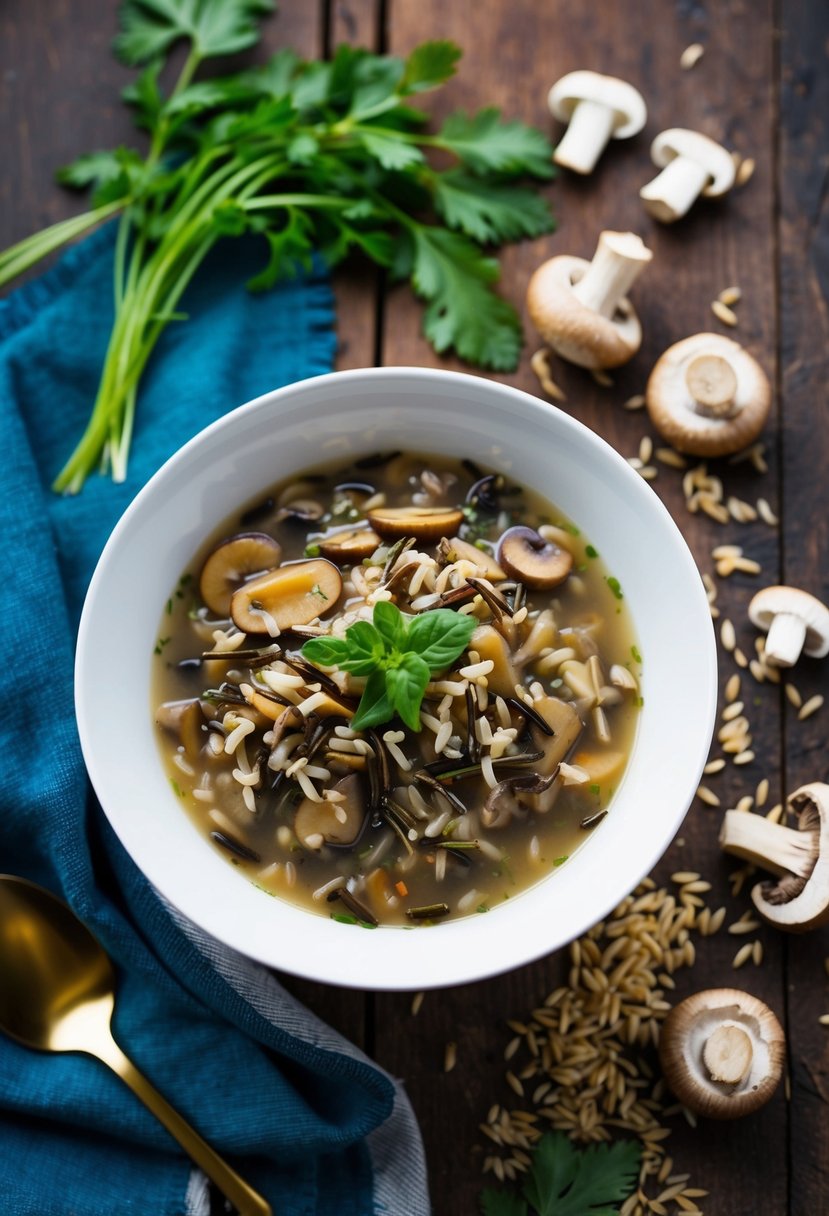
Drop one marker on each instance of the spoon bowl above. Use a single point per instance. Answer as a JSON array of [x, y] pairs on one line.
[[57, 993]]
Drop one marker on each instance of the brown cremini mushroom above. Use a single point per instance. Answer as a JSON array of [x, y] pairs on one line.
[[455, 550], [722, 1053], [597, 108], [707, 396], [796, 622], [233, 561], [531, 559], [185, 721], [335, 822], [423, 523], [349, 546], [799, 857], [581, 309], [691, 164]]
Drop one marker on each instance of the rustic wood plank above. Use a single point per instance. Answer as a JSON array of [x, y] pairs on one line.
[[512, 60], [804, 297]]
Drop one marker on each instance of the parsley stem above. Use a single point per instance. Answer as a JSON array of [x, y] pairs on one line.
[[31, 249]]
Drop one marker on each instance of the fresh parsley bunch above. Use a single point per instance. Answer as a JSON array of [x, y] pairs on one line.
[[398, 659], [327, 156], [565, 1181]]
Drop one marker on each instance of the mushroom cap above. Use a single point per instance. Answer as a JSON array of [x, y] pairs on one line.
[[674, 411], [577, 333], [799, 903], [771, 601], [687, 1029], [626, 102], [679, 141]]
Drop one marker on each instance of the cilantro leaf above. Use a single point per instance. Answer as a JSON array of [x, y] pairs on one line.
[[487, 145], [439, 636], [566, 1181], [463, 313], [375, 705], [429, 65], [501, 1203], [214, 27], [490, 211]]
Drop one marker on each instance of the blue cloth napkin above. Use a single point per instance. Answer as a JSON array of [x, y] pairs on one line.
[[301, 1113]]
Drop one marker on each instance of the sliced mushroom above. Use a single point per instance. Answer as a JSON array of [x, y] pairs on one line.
[[303, 510], [510, 798], [567, 727], [456, 550], [541, 635], [708, 396], [533, 560], [294, 594], [423, 523], [796, 622], [799, 900], [185, 721], [581, 308], [722, 1052], [231, 563], [691, 164], [490, 644], [598, 109], [347, 548], [329, 822]]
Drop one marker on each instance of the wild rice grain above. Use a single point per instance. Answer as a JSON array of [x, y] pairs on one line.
[[766, 514], [730, 295], [707, 796], [634, 403], [514, 1083], [714, 766], [671, 457], [762, 792], [757, 953], [744, 757]]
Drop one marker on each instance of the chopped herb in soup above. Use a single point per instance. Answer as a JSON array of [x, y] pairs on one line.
[[397, 692]]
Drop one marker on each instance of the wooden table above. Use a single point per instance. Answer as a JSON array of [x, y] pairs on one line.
[[762, 87]]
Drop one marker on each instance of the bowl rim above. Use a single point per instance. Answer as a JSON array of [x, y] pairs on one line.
[[463, 969]]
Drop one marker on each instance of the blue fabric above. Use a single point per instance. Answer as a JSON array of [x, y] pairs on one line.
[[263, 1083]]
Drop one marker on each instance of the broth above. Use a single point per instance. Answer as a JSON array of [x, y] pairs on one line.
[[523, 738]]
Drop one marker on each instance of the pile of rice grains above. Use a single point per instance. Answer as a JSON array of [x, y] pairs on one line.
[[584, 1062]]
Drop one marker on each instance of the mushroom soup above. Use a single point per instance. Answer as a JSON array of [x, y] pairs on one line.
[[397, 692]]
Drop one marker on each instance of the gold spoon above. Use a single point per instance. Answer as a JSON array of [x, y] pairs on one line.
[[57, 993]]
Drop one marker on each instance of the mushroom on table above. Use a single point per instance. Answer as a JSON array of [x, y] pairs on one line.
[[707, 396], [692, 164], [581, 309], [798, 857], [796, 622], [722, 1053], [597, 108]]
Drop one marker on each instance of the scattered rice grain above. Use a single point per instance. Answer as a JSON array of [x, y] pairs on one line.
[[810, 707]]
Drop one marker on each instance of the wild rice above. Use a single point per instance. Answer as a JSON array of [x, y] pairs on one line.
[[417, 1001], [766, 513], [730, 295]]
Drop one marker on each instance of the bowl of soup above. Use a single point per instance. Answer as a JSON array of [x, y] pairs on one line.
[[416, 679]]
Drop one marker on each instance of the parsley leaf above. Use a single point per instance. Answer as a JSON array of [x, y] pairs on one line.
[[397, 658], [489, 211], [215, 27], [486, 144], [566, 1181], [454, 276]]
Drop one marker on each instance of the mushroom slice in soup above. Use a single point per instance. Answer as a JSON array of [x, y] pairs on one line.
[[336, 821], [293, 594], [231, 563]]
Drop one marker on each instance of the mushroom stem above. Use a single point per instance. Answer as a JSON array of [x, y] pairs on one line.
[[712, 383], [672, 192], [618, 261], [727, 1053], [772, 846], [586, 137], [785, 640]]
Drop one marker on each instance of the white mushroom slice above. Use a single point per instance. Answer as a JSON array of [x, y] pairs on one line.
[[456, 550], [796, 622], [799, 900], [491, 645], [294, 594], [707, 396], [598, 108], [332, 822], [691, 164], [581, 309], [567, 727], [722, 1052]]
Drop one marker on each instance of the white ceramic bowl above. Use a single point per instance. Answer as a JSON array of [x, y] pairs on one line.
[[352, 413]]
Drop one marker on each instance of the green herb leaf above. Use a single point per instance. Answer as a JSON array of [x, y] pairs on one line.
[[501, 1203], [487, 145], [405, 685], [488, 211], [366, 649], [439, 636], [150, 27], [566, 1181], [455, 277], [389, 623], [375, 705], [326, 652], [429, 65]]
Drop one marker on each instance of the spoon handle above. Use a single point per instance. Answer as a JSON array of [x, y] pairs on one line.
[[248, 1201]]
